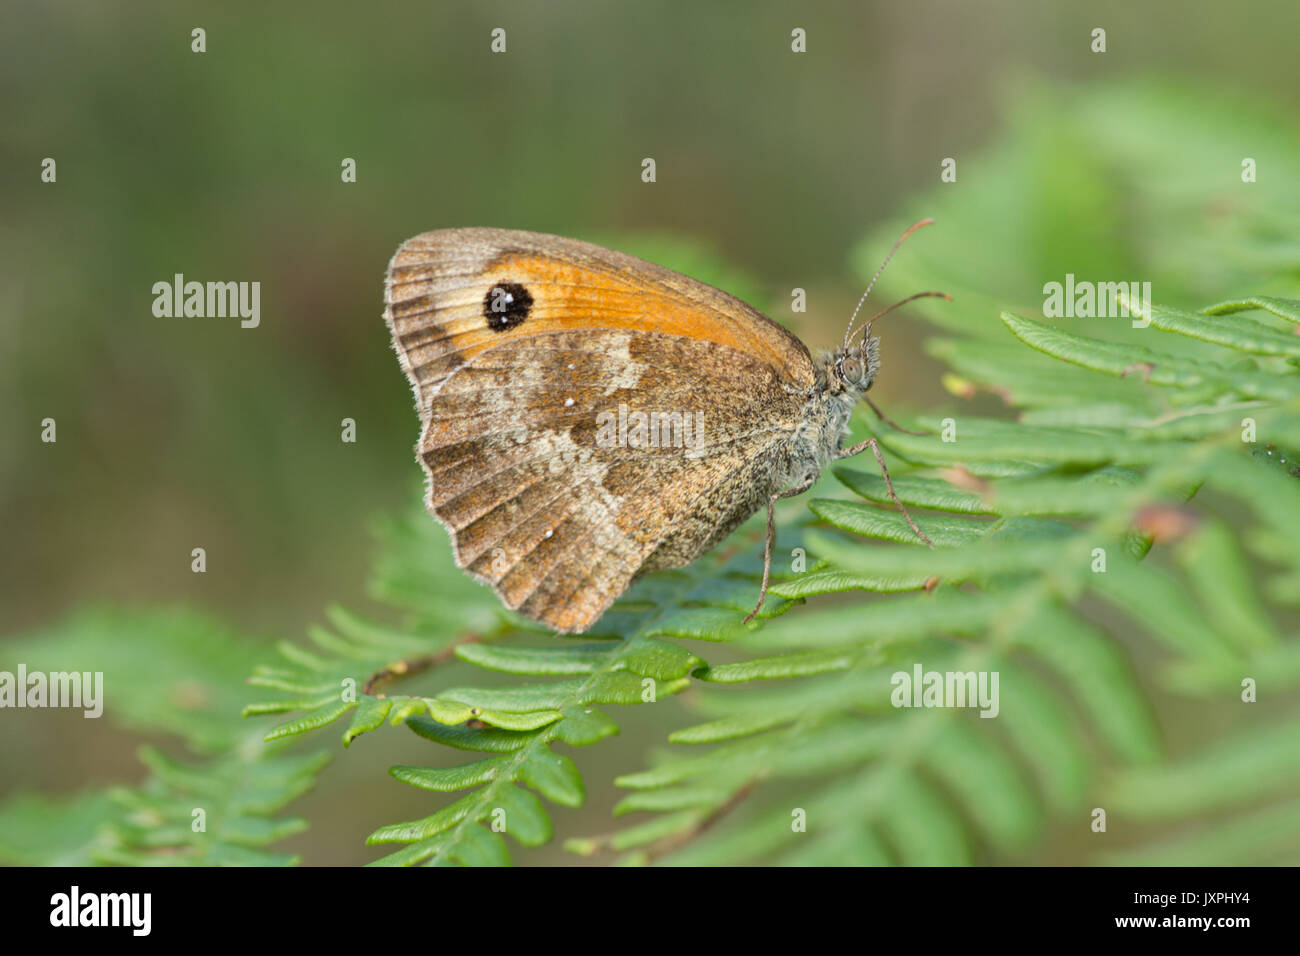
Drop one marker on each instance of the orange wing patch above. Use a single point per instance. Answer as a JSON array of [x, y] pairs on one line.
[[441, 289]]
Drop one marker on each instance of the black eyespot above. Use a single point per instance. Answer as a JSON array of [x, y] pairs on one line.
[[506, 305]]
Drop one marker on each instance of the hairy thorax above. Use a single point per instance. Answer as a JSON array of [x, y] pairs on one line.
[[819, 436]]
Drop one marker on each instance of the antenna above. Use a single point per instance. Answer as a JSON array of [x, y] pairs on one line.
[[866, 329], [870, 285]]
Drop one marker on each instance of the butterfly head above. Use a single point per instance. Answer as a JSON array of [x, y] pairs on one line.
[[853, 368]]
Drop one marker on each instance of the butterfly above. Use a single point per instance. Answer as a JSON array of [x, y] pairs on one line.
[[588, 417]]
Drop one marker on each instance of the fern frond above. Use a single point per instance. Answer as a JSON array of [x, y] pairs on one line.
[[1045, 526], [164, 671], [634, 668], [625, 661], [217, 813]]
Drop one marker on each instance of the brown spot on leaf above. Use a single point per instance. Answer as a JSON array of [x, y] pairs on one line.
[[1145, 368], [1163, 523], [959, 477]]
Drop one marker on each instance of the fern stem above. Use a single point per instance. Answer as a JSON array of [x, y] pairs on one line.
[[411, 666]]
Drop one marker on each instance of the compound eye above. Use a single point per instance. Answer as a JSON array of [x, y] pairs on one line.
[[852, 369]]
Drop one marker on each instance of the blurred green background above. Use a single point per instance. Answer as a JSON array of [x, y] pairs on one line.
[[183, 433]]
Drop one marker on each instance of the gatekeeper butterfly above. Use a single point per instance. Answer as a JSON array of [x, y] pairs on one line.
[[588, 417]]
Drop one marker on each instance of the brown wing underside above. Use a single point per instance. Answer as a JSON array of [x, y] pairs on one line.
[[545, 498]]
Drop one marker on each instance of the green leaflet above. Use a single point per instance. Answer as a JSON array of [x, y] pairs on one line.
[[554, 776], [466, 808], [798, 664], [484, 740], [521, 815], [831, 582], [1042, 730], [985, 778], [919, 492], [531, 697], [892, 526], [1114, 358], [1244, 335], [922, 825], [1229, 772], [536, 661], [1288, 309], [370, 715], [1030, 380], [317, 717], [667, 799], [988, 440], [1217, 572], [658, 659], [450, 779], [479, 846], [728, 728]]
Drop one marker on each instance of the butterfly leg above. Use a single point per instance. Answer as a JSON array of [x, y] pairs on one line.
[[771, 539], [889, 485], [889, 421]]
